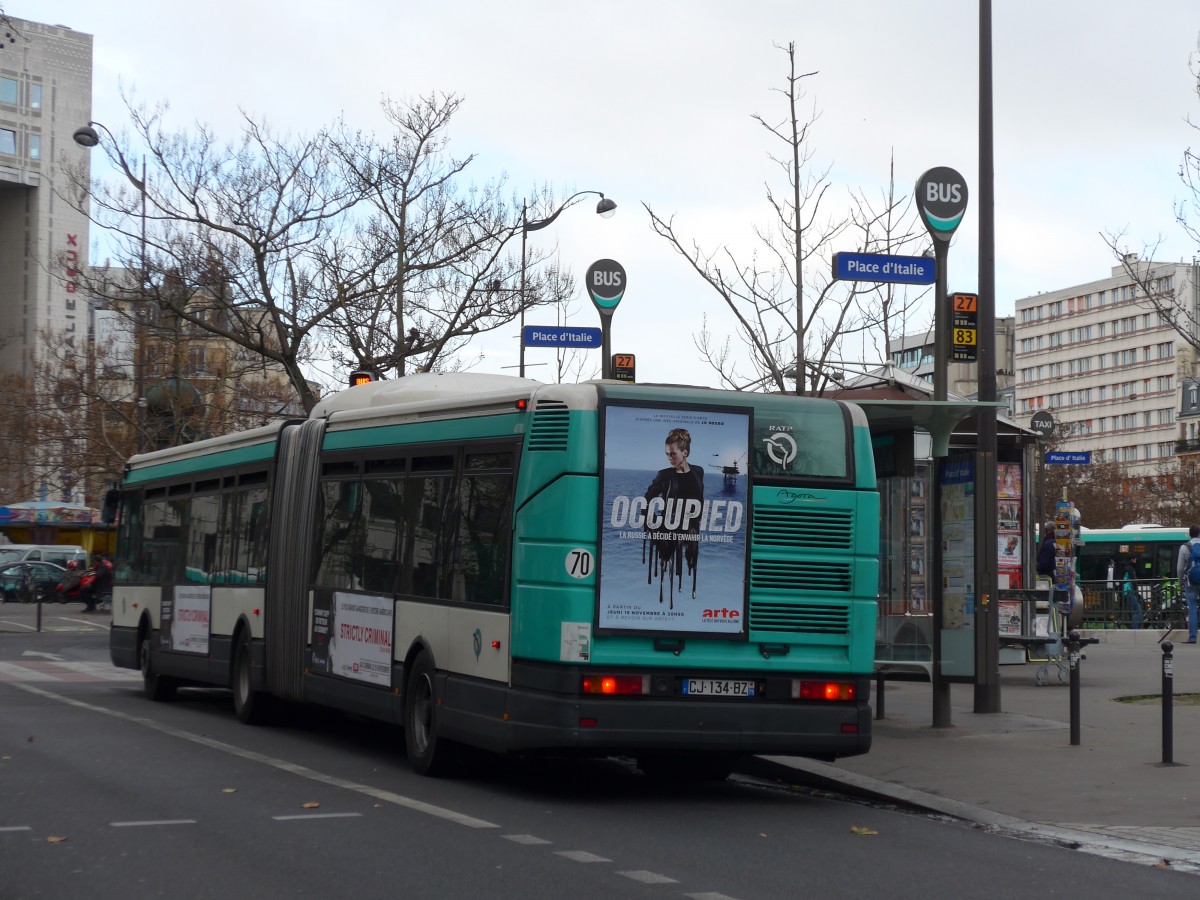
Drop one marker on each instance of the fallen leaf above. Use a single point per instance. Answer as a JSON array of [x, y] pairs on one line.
[[310, 805], [228, 790], [55, 840], [859, 829]]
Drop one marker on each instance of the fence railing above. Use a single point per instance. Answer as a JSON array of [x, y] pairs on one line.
[[1153, 603]]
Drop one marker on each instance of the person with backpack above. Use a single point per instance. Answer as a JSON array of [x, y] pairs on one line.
[[1187, 567]]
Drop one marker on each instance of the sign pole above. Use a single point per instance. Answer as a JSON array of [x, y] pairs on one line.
[[941, 195]]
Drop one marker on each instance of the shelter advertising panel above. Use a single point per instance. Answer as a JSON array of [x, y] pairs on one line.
[[673, 537]]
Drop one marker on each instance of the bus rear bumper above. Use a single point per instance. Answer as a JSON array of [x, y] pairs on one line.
[[535, 721]]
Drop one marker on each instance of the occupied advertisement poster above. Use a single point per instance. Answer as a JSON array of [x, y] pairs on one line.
[[189, 618], [674, 521], [352, 637]]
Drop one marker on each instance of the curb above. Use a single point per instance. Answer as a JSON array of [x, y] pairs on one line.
[[825, 777]]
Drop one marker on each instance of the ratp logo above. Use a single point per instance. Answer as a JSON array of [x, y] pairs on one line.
[[781, 448]]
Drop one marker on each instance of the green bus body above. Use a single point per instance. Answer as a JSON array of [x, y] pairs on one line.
[[457, 524], [1155, 547]]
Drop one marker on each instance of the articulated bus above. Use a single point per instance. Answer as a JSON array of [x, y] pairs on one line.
[[674, 574]]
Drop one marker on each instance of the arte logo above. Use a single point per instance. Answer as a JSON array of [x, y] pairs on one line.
[[781, 448], [722, 614]]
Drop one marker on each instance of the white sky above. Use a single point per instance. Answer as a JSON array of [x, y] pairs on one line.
[[651, 102]]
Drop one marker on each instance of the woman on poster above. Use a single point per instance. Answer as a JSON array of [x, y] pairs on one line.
[[673, 529]]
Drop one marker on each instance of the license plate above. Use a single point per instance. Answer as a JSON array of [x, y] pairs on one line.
[[718, 687]]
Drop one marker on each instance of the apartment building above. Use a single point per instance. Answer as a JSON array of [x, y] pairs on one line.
[[1107, 359], [45, 94]]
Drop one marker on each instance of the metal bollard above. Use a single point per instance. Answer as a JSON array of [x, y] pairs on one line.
[[1073, 656], [879, 679], [1168, 689], [39, 615]]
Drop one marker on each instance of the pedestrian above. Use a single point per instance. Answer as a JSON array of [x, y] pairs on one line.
[[1046, 552], [1187, 560], [103, 584], [1130, 592]]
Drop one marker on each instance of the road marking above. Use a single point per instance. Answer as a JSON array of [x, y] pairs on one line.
[[581, 856], [649, 877], [525, 839], [15, 828], [67, 671], [53, 656], [708, 896], [346, 815], [281, 764], [151, 822]]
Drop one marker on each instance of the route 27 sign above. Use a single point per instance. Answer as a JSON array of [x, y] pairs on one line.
[[964, 328]]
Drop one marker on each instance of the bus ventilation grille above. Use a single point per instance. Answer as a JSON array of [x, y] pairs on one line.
[[817, 529], [550, 426], [800, 576], [806, 618]]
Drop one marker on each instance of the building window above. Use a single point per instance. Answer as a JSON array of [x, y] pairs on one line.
[[35, 96], [8, 141], [8, 90], [35, 146]]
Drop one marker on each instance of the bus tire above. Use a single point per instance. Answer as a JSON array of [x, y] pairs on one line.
[[158, 688], [712, 766], [428, 754], [251, 706]]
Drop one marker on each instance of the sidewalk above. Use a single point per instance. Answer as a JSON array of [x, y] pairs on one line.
[[1017, 770]]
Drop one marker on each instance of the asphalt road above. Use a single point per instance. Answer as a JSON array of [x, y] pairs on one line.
[[106, 794]]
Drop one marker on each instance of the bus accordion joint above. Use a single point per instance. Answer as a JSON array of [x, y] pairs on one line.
[[823, 690], [615, 684]]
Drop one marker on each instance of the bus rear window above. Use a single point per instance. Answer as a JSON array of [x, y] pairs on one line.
[[810, 441]]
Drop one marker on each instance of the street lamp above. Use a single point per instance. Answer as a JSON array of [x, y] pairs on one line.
[[87, 136], [605, 208]]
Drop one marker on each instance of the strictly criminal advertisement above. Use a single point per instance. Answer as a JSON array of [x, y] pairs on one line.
[[674, 519], [352, 637]]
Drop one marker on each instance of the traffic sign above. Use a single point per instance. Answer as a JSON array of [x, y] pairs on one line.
[[1042, 421], [941, 201], [605, 281], [878, 267], [1061, 458], [964, 328], [560, 336]]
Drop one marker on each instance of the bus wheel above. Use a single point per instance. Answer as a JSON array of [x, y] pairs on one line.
[[687, 766], [428, 754], [156, 687], [250, 705]]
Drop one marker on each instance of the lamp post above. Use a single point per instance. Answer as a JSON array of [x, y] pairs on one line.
[[87, 136], [604, 208]]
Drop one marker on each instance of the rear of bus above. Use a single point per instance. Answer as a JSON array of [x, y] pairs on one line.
[[657, 609]]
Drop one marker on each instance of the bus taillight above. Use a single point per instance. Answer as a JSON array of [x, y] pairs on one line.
[[616, 684], [823, 690]]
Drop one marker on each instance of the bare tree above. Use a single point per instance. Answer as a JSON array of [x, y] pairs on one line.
[[302, 250], [1155, 291], [790, 314], [433, 264]]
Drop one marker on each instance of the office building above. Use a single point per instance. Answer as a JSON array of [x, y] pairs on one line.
[[45, 94]]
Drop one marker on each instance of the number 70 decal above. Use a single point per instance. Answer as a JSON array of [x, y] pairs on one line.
[[579, 562]]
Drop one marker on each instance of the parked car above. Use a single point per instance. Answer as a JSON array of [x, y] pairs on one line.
[[55, 553], [45, 580]]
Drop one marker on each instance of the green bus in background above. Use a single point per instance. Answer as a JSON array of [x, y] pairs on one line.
[[675, 574]]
